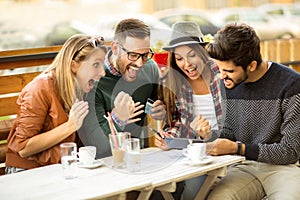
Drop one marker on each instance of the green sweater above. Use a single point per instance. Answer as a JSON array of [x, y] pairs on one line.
[[95, 128]]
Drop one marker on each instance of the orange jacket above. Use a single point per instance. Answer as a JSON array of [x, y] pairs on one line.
[[39, 110]]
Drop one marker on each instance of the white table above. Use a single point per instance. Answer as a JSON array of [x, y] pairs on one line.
[[161, 173]]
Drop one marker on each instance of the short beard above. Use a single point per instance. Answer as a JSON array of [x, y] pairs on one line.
[[236, 84], [120, 69]]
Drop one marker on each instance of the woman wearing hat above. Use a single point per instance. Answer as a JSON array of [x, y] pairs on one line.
[[190, 92]]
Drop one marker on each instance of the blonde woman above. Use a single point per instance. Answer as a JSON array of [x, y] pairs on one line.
[[51, 108]]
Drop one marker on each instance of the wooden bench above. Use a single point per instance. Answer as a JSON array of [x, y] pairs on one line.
[[17, 68]]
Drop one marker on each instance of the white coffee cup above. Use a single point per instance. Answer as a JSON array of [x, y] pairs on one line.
[[87, 155], [195, 151]]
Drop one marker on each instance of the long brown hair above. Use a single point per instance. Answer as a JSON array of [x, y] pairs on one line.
[[175, 78]]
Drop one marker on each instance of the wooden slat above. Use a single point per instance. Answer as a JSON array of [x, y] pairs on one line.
[[25, 63], [2, 153], [295, 53], [15, 83], [4, 132], [30, 51], [269, 50], [295, 49], [282, 50], [2, 169], [28, 57], [39, 56], [8, 105]]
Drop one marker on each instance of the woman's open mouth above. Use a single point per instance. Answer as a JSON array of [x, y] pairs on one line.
[[191, 71]]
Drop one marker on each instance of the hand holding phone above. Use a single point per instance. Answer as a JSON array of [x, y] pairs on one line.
[[149, 106], [159, 140], [155, 131], [177, 143]]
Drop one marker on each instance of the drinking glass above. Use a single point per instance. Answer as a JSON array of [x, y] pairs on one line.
[[68, 153], [117, 148], [133, 154]]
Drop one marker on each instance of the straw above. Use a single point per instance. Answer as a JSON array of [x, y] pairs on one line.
[[112, 129]]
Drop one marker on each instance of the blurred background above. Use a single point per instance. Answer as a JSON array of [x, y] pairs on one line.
[[35, 23]]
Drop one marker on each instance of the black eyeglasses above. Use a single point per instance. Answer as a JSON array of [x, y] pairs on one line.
[[133, 56], [94, 42]]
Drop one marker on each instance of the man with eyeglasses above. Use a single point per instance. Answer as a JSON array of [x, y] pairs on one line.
[[131, 76]]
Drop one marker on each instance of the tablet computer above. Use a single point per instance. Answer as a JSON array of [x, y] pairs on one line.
[[181, 143]]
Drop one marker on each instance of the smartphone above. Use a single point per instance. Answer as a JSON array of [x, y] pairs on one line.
[[181, 143], [177, 143], [149, 106]]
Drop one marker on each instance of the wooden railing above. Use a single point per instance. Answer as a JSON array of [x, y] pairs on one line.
[[282, 51], [285, 51]]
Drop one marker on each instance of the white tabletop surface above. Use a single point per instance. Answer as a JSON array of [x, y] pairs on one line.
[[158, 168]]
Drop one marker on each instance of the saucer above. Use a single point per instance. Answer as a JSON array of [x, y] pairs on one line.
[[205, 160], [96, 163]]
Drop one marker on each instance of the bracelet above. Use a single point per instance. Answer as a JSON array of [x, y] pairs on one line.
[[239, 148], [117, 120]]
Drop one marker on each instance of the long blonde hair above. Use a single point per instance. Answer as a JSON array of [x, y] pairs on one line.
[[75, 48]]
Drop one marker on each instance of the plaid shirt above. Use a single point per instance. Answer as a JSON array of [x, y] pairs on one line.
[[109, 66], [183, 116]]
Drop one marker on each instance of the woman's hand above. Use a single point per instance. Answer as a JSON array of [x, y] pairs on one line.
[[78, 112], [201, 126], [159, 140]]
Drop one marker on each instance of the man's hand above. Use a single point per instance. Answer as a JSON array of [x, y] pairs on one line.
[[123, 106], [158, 110], [221, 147], [125, 109], [138, 109]]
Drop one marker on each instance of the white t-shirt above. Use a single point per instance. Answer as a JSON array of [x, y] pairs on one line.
[[204, 105]]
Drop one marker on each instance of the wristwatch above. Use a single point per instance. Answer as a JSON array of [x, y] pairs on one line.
[[239, 148]]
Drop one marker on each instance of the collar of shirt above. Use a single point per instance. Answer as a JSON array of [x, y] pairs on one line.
[[109, 66]]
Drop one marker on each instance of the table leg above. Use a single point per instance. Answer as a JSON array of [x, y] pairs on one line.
[[164, 189], [209, 181], [167, 189], [118, 197], [167, 195], [145, 194]]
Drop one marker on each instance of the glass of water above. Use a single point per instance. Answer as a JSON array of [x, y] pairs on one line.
[[68, 153], [133, 154]]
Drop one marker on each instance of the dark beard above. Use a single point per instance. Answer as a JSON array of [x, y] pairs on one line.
[[235, 83]]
